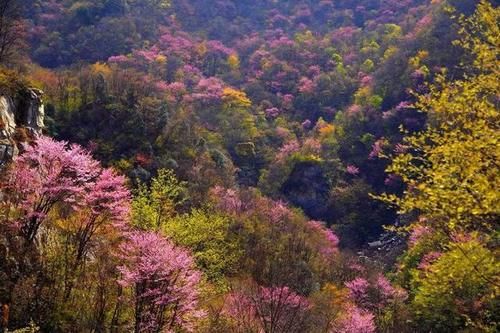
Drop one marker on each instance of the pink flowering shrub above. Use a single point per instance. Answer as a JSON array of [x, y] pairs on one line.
[[366, 80], [428, 259], [288, 149], [356, 320], [106, 208], [374, 294], [306, 124], [279, 212], [377, 148], [161, 86], [227, 200], [400, 148], [354, 110], [164, 281], [267, 309], [216, 46], [287, 101], [272, 112], [306, 86], [241, 312], [208, 90], [51, 173], [328, 242], [119, 59], [269, 229], [312, 146], [178, 44], [375, 302], [418, 232], [358, 289], [352, 170], [402, 106]]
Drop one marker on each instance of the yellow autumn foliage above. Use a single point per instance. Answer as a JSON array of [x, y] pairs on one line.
[[233, 61], [326, 130], [161, 59], [101, 68], [235, 98], [452, 168]]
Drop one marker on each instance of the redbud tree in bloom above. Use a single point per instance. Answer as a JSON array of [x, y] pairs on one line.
[[268, 309], [164, 281], [51, 173], [106, 205], [374, 294], [356, 320]]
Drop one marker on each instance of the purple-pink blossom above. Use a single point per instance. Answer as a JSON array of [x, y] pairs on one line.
[[358, 289], [428, 259], [356, 321], [162, 277], [418, 232], [287, 149], [272, 112], [352, 170], [377, 148], [306, 85]]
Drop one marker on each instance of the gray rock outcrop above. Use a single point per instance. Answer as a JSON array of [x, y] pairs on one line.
[[32, 110], [24, 111]]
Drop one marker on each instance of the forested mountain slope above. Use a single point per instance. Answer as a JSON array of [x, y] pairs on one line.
[[326, 83], [192, 147]]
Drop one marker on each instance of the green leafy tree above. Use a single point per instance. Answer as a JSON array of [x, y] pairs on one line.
[[156, 204], [208, 234], [235, 119], [459, 289]]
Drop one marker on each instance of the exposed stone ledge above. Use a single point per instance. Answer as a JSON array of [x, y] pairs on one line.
[[20, 114]]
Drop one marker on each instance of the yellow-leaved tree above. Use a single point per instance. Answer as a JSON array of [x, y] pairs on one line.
[[236, 120], [452, 174], [452, 169]]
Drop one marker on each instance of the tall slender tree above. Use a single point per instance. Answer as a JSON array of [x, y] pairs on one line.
[[10, 27]]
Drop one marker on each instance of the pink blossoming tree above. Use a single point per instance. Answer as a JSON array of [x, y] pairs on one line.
[[356, 321], [164, 281], [267, 309], [374, 294], [107, 205], [49, 173]]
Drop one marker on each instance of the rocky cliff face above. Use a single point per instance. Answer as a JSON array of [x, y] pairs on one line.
[[21, 116]]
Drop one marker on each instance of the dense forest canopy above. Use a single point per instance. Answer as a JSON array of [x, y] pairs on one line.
[[249, 166]]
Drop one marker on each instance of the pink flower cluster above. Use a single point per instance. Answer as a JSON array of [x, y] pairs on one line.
[[51, 172], [266, 309], [377, 148], [227, 200], [272, 112], [306, 86], [352, 170], [356, 321], [418, 232], [164, 278], [287, 149], [374, 294], [330, 239], [428, 260], [208, 90]]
